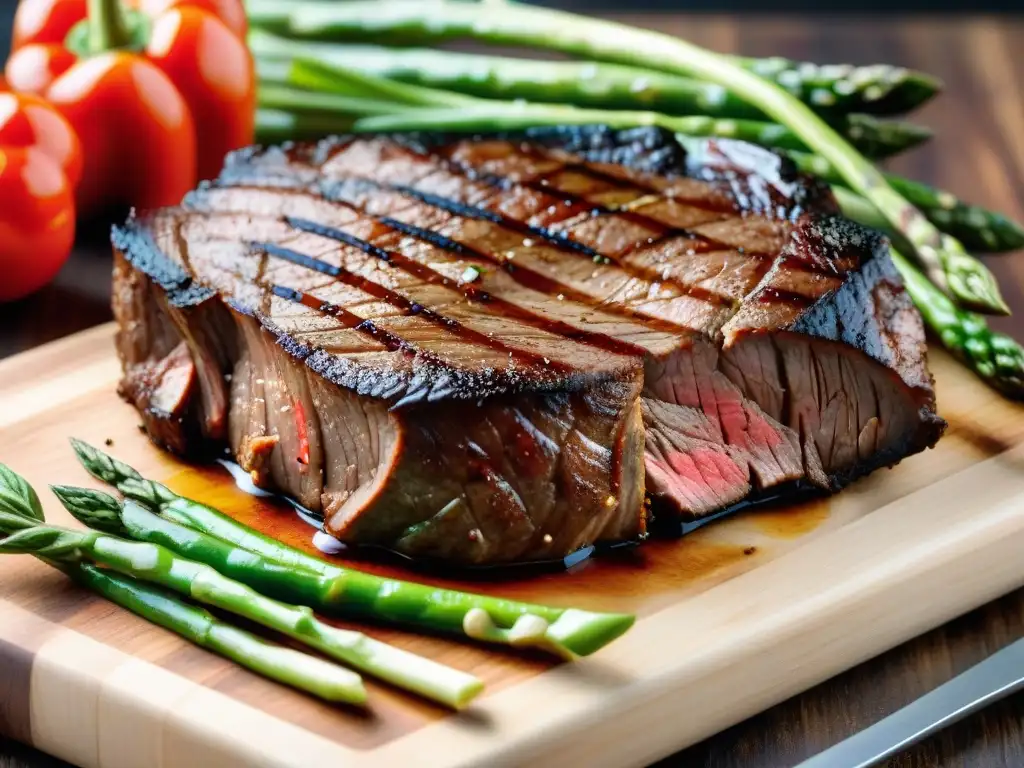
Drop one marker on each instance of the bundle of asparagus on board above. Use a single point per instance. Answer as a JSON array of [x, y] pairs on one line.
[[165, 557], [363, 66]]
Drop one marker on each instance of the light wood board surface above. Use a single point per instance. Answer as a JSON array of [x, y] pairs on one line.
[[733, 618]]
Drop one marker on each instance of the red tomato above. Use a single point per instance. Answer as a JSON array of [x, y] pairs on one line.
[[37, 220]]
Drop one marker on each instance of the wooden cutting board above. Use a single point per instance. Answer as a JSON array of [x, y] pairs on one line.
[[732, 618]]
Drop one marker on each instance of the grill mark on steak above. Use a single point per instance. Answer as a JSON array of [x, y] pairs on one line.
[[574, 206], [542, 284], [565, 242], [337, 190], [394, 298], [335, 193], [769, 193], [390, 341], [771, 295], [525, 276], [558, 240], [544, 182], [541, 321], [431, 276]]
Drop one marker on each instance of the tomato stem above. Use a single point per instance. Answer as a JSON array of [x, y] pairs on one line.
[[108, 28]]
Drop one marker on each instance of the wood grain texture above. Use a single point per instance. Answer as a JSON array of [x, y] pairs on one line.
[[978, 155]]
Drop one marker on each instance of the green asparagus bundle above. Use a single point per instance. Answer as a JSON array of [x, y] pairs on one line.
[[878, 89], [278, 125], [362, 95], [200, 532], [831, 91], [942, 257], [158, 565], [20, 511]]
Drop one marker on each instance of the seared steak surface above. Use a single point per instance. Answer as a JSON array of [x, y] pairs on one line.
[[487, 350]]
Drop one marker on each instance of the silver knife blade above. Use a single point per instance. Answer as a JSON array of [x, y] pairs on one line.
[[998, 676]]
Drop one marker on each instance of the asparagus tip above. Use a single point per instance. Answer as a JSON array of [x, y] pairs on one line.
[[100, 465], [41, 541], [583, 632], [469, 691], [979, 293], [925, 85], [17, 496], [94, 509]]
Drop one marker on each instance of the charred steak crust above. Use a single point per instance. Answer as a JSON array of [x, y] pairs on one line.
[[487, 350]]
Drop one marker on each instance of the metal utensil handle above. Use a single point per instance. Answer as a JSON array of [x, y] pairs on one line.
[[998, 676]]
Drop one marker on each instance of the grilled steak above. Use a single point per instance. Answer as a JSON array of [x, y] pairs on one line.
[[486, 351]]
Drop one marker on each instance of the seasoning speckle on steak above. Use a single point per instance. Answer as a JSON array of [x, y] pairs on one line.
[[487, 351]]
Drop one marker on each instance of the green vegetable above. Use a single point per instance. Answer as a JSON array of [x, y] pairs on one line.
[[17, 497], [596, 84], [158, 565], [287, 666], [878, 89], [418, 108], [943, 258], [331, 589], [275, 126], [996, 358], [321, 105], [978, 228]]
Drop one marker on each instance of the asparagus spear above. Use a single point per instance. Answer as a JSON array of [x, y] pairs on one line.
[[566, 632], [443, 110], [21, 512], [995, 357], [285, 665], [840, 90], [17, 497], [978, 228], [879, 89], [943, 258], [319, 106], [158, 565], [274, 126]]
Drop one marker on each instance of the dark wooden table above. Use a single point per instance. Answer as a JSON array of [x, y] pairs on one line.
[[979, 153]]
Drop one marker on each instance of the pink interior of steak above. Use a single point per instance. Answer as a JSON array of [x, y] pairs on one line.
[[770, 345]]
